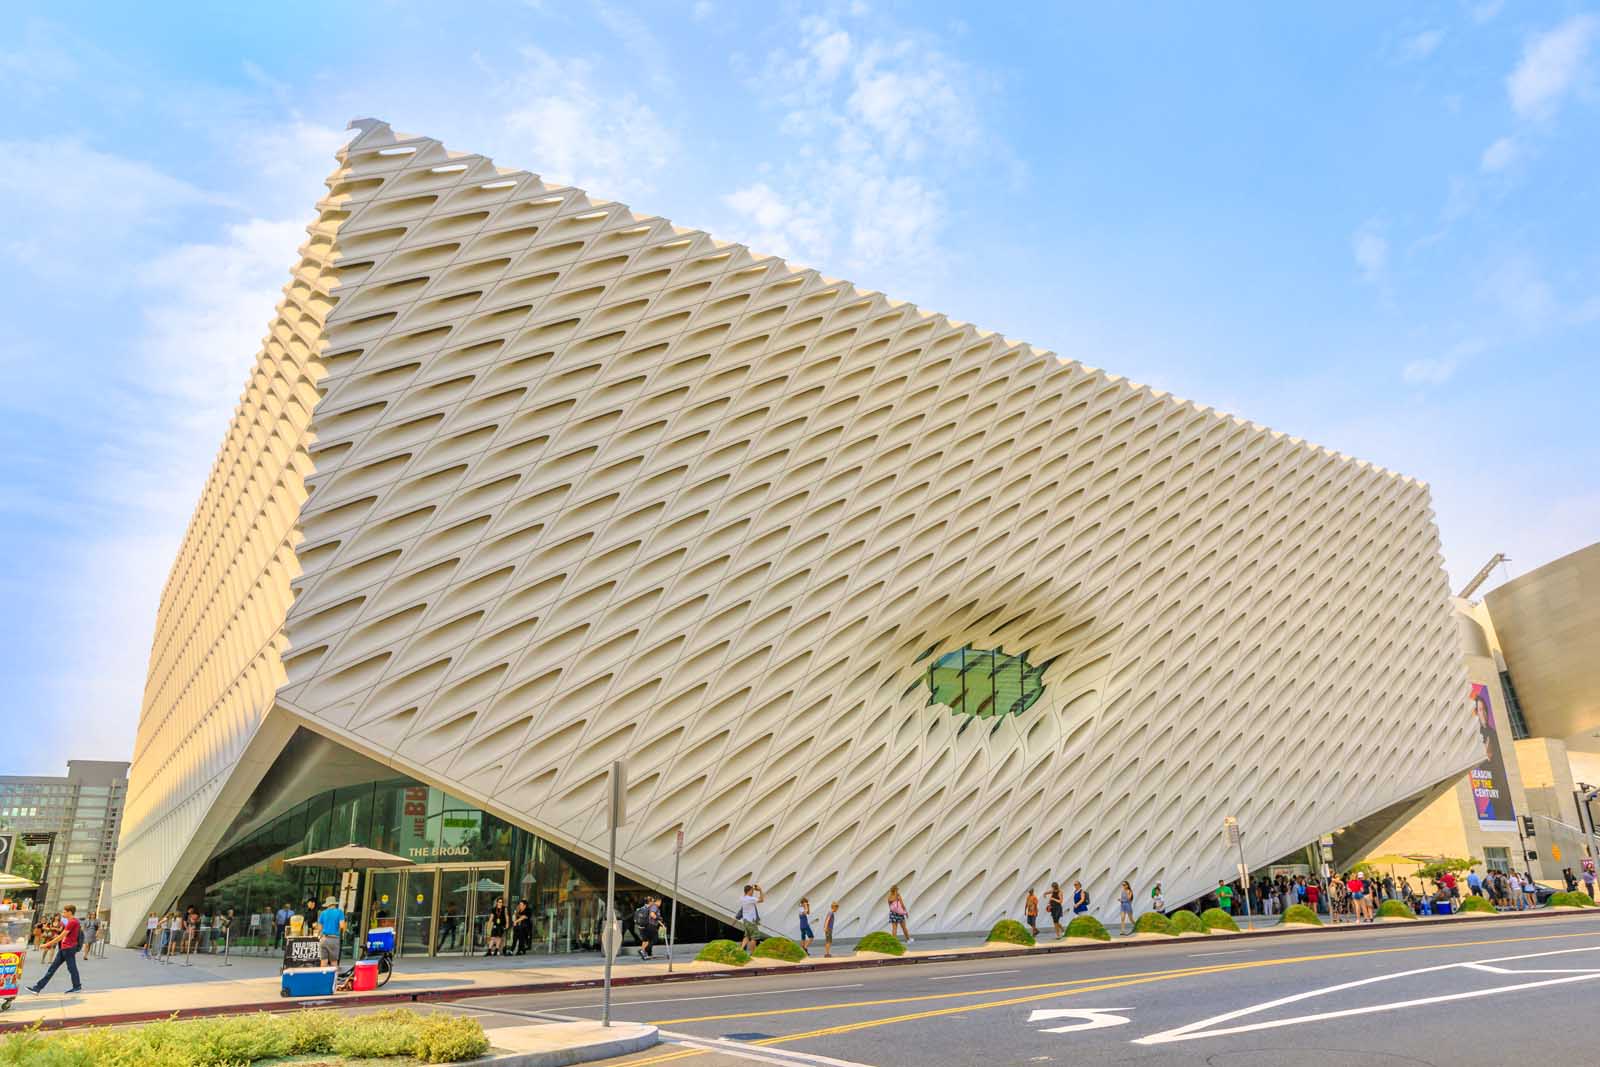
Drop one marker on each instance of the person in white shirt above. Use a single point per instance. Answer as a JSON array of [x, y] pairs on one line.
[[750, 916]]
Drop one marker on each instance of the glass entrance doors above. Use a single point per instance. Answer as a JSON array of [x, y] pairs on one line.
[[438, 910]]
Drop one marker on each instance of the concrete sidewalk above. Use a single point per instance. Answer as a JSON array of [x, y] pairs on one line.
[[124, 987]]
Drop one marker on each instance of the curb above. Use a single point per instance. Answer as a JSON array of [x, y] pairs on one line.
[[641, 1037], [439, 996]]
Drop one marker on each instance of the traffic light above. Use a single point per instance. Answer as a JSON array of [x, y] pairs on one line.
[[1527, 825]]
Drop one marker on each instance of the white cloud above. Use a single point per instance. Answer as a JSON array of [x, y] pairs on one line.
[[1371, 250], [1552, 65], [1420, 46], [65, 206], [702, 10], [1501, 154], [1433, 371], [570, 131], [880, 122], [1518, 288]]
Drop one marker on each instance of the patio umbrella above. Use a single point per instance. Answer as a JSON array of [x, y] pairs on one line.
[[9, 882], [350, 857]]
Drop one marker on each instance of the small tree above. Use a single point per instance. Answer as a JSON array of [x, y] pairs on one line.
[[27, 862], [1436, 869]]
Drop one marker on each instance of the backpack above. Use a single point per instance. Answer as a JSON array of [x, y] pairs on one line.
[[641, 917]]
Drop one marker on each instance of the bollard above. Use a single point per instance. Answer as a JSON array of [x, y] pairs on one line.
[[227, 940]]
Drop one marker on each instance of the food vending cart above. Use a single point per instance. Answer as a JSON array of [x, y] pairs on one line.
[[15, 925]]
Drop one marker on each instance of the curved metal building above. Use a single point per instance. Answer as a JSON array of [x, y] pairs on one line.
[[523, 482]]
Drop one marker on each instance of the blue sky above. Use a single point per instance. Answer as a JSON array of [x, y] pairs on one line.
[[1377, 228]]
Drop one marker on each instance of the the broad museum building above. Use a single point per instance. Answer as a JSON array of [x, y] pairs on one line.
[[523, 482]]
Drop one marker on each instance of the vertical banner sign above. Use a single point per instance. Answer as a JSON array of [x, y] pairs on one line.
[[7, 841], [10, 973], [1490, 791]]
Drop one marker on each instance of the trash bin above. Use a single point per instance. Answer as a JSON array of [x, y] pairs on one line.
[[365, 979]]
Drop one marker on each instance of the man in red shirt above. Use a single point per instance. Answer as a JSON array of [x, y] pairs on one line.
[[68, 941]]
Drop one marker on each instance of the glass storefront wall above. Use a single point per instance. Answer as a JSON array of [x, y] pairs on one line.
[[465, 858]]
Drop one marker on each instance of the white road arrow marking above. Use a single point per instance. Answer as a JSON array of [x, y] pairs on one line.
[[1093, 1018]]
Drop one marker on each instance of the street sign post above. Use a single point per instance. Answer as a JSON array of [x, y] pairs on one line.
[[611, 934], [672, 930], [1235, 837]]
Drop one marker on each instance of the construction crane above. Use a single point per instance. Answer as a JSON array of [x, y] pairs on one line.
[[1483, 575]]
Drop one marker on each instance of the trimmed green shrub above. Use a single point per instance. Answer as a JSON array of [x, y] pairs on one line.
[[1012, 933], [1153, 922], [1087, 926], [1299, 913], [881, 941], [1217, 919], [1396, 909], [1185, 921], [1570, 900], [246, 1039], [1476, 903], [443, 1039], [725, 952], [779, 948]]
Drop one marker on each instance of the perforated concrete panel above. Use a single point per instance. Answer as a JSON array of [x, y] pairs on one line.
[[525, 482]]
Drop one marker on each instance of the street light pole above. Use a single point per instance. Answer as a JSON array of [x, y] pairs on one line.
[[611, 935], [672, 931]]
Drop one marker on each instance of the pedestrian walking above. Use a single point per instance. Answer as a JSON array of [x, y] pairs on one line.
[[806, 936], [750, 916], [1224, 896], [66, 943], [647, 920], [1157, 901], [1570, 879], [1125, 909], [1588, 881], [150, 936], [1474, 883], [827, 929], [1080, 898], [1030, 911], [1057, 903], [898, 914], [280, 924]]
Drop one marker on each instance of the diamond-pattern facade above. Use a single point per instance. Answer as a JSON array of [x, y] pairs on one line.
[[524, 482]]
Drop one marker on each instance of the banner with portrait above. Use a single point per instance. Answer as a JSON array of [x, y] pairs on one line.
[[1491, 792]]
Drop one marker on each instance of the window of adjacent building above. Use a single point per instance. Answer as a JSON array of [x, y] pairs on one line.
[[1519, 722], [1497, 859]]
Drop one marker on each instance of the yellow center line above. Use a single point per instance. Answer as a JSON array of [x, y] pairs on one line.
[[1052, 989], [1176, 972]]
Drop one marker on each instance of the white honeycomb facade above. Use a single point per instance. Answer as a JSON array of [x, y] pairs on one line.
[[524, 482]]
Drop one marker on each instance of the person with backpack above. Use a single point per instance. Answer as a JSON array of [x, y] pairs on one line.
[[1080, 898], [749, 916], [647, 921]]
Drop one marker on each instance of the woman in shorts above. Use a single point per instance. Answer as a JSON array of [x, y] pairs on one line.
[[1125, 904], [806, 936], [898, 914], [1056, 901]]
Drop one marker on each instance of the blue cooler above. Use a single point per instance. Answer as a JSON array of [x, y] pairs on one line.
[[380, 939], [309, 981]]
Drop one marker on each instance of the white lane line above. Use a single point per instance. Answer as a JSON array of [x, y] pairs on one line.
[[974, 974], [1188, 1032], [764, 1053], [1173, 1035], [617, 1003], [1230, 952]]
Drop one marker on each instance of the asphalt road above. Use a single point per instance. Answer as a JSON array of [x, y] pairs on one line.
[[1463, 996]]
